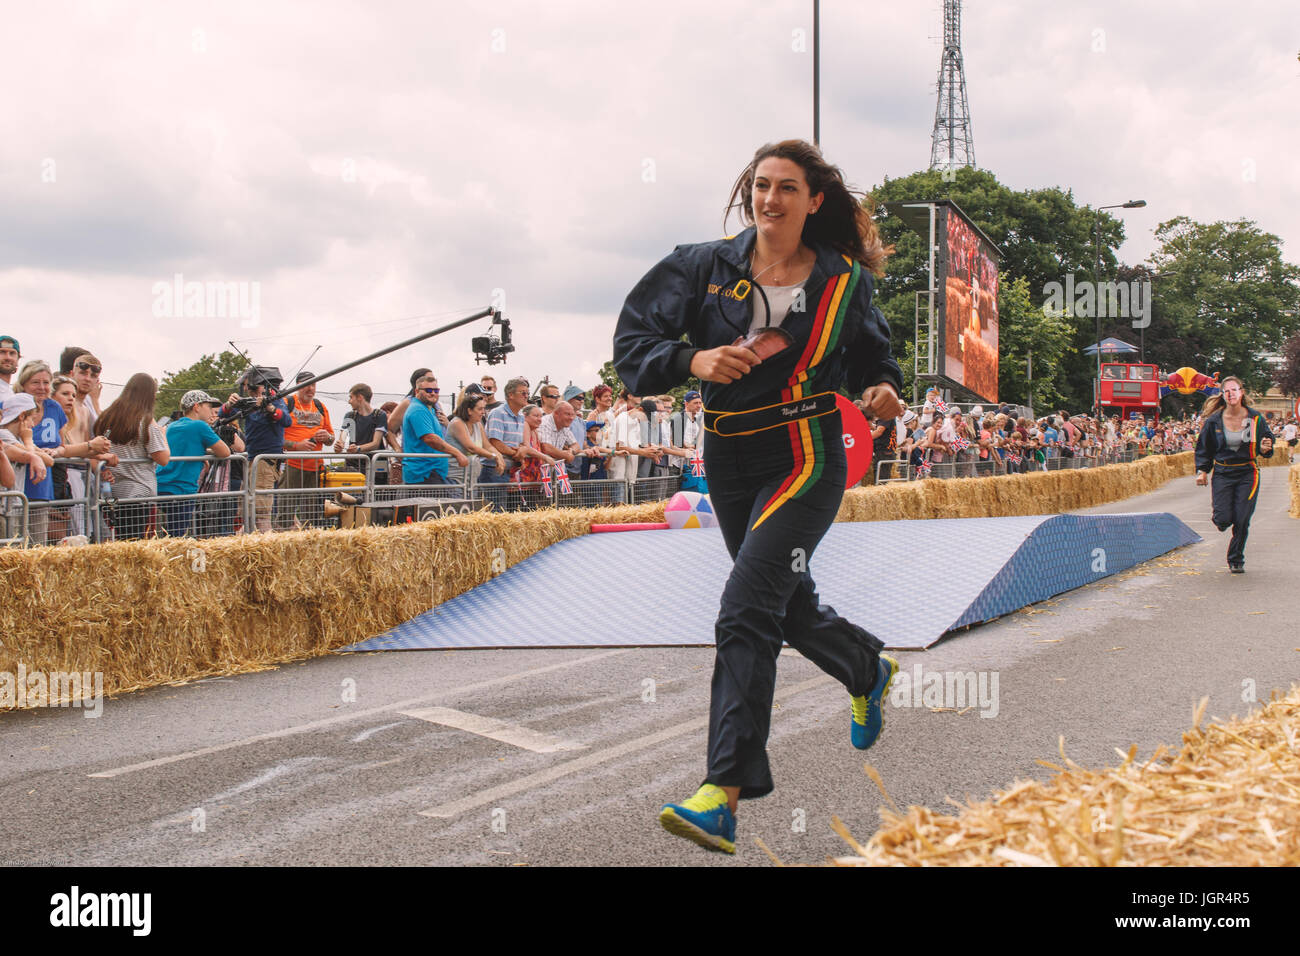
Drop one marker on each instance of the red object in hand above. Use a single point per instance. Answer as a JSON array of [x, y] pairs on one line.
[[857, 441], [766, 342]]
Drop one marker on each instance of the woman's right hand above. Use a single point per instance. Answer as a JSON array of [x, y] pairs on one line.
[[99, 444], [36, 468], [724, 365], [1202, 478]]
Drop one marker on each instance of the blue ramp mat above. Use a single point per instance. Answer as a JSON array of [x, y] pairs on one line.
[[661, 588]]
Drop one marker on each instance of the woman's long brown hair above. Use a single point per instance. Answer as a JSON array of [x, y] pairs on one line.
[[128, 418], [842, 221]]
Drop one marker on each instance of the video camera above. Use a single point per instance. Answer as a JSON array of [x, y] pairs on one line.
[[495, 346], [267, 375]]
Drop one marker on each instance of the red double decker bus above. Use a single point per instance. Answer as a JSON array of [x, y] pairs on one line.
[[1129, 390]]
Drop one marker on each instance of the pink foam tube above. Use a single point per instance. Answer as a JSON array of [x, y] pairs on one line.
[[645, 526]]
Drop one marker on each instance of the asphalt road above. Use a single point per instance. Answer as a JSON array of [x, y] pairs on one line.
[[547, 757]]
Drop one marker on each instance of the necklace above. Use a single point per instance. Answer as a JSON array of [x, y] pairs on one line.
[[754, 258]]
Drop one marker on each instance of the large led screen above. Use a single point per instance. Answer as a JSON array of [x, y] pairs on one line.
[[970, 307]]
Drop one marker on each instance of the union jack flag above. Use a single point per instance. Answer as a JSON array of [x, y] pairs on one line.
[[941, 406], [546, 480], [923, 469], [566, 487], [697, 465], [959, 444], [1013, 459]]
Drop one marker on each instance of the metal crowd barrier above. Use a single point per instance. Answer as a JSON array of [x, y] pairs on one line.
[[242, 507], [13, 519], [49, 522], [297, 499], [203, 514]]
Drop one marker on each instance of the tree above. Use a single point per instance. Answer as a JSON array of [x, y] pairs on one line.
[[1226, 298], [215, 374], [610, 377], [1024, 329], [1043, 236], [1288, 375]]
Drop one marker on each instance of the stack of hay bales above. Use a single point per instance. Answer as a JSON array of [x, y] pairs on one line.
[[152, 612], [1226, 798], [1039, 492]]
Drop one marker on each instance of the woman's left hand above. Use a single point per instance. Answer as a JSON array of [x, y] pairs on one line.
[[1266, 445], [882, 402]]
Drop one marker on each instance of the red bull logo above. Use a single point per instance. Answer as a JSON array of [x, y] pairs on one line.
[[1187, 380]]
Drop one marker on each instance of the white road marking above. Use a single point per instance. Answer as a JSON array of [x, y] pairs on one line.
[[367, 734], [279, 770], [512, 734], [540, 778], [345, 718]]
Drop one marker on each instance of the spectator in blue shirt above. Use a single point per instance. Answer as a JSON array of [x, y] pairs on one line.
[[191, 435], [1051, 437], [34, 379], [422, 433]]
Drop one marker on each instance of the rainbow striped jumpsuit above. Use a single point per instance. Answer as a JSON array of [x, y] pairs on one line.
[[1234, 485], [775, 464]]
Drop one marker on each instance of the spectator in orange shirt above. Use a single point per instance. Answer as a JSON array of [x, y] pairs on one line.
[[310, 430]]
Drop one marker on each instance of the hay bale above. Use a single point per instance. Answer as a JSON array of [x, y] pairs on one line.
[[145, 613], [1227, 798], [1293, 478]]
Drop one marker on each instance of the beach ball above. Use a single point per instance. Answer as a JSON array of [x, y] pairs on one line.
[[690, 509]]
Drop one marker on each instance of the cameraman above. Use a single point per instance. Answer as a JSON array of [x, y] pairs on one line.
[[264, 429]]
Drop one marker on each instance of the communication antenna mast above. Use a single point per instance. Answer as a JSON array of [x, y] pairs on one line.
[[952, 144]]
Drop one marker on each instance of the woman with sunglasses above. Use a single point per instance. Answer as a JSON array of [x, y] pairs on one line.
[[1233, 436], [773, 321]]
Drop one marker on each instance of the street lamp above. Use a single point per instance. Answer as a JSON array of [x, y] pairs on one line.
[[1131, 204]]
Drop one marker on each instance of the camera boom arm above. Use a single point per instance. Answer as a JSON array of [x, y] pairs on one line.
[[494, 314]]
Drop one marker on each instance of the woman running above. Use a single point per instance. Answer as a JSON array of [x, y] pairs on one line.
[[1232, 436], [773, 321]]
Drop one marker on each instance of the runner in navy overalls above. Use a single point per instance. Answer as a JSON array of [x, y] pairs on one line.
[[1233, 436], [793, 287]]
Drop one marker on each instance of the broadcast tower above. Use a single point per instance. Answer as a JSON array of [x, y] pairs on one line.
[[952, 143]]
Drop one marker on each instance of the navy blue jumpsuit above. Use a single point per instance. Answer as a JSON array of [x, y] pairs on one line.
[[1235, 481], [776, 475]]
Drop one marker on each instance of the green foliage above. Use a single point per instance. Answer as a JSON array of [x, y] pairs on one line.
[[1025, 327], [215, 374], [1224, 299], [610, 377], [1288, 376]]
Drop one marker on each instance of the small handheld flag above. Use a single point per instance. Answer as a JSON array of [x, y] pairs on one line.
[[697, 465]]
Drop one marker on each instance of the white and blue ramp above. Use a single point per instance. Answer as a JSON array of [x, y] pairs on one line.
[[989, 567]]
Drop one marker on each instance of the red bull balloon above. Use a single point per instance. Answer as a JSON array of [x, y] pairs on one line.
[[1187, 380]]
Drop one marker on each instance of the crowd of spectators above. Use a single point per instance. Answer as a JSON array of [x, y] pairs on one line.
[[509, 443], [975, 441]]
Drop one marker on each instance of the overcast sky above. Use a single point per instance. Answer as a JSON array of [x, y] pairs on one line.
[[380, 168]]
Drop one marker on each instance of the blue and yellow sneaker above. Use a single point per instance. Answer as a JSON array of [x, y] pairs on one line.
[[868, 712], [704, 818]]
